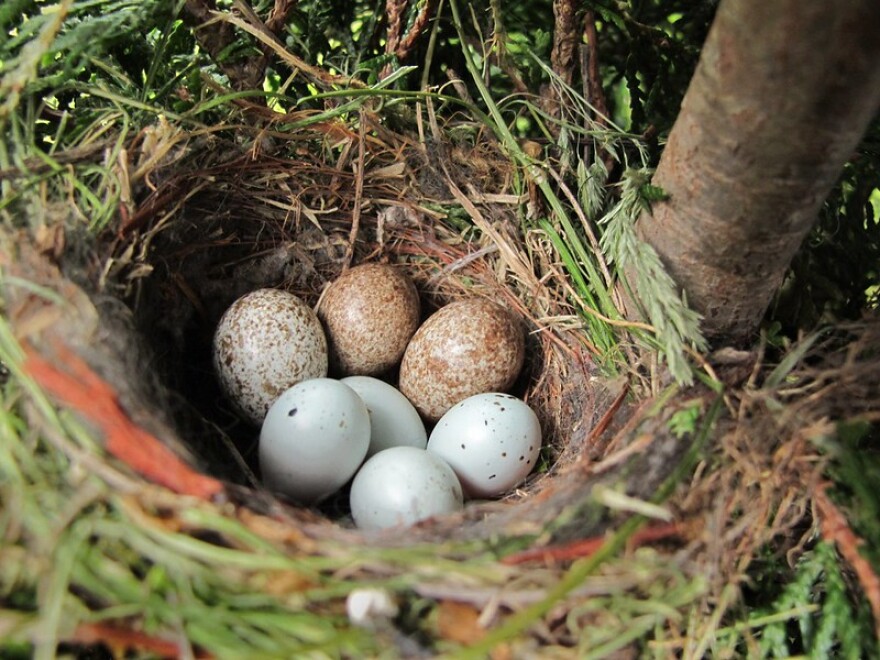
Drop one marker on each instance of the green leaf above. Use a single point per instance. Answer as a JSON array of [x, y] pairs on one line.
[[653, 193], [790, 361], [684, 421]]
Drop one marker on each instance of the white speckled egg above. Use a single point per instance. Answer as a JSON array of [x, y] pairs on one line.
[[401, 486], [394, 422], [490, 440], [314, 438], [265, 342], [469, 346]]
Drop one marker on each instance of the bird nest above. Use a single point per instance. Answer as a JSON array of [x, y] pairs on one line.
[[116, 327], [214, 226]]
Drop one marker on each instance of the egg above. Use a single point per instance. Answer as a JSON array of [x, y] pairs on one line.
[[401, 486], [370, 313], [314, 438], [467, 347], [491, 441], [265, 342], [394, 422]]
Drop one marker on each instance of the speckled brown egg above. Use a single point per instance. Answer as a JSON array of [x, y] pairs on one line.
[[468, 347], [267, 341], [370, 313]]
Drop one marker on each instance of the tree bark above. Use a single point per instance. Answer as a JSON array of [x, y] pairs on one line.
[[781, 97]]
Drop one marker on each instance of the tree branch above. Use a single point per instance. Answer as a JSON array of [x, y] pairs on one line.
[[780, 99], [215, 37]]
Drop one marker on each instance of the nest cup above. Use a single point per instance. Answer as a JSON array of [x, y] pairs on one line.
[[211, 232]]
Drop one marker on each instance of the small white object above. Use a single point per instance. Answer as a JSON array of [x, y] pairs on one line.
[[401, 486], [367, 607], [314, 438], [394, 421], [490, 440], [267, 341]]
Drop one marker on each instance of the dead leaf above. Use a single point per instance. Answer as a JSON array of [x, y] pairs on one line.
[[276, 531], [394, 171], [285, 582], [458, 622]]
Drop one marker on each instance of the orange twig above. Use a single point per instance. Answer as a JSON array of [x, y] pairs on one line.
[[835, 528], [121, 641], [586, 547], [83, 390]]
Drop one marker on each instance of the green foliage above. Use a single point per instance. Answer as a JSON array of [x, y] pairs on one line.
[[49, 46], [685, 420], [816, 609], [650, 48], [74, 550], [836, 274], [652, 45], [855, 471], [815, 614], [676, 325]]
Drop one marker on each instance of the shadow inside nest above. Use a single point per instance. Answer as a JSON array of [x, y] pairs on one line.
[[157, 314]]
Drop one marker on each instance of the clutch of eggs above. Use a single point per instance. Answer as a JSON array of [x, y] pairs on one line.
[[271, 354]]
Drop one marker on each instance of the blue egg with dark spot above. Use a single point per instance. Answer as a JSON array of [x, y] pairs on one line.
[[314, 438], [502, 447]]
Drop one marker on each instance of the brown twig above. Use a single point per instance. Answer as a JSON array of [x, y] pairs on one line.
[[398, 44], [607, 417], [395, 10], [215, 36], [358, 192], [836, 529], [250, 23], [92, 397], [280, 13], [408, 42], [276, 22], [562, 56], [587, 547], [122, 641], [594, 92], [592, 86]]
